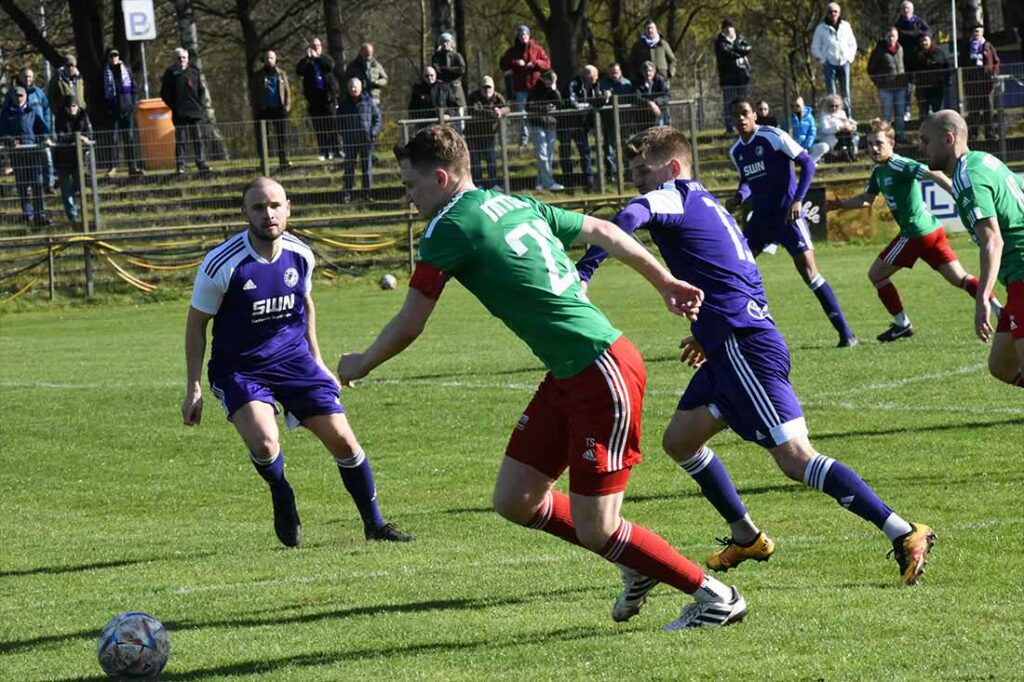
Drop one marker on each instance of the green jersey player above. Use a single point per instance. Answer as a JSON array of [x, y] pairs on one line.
[[990, 200], [921, 236], [508, 251]]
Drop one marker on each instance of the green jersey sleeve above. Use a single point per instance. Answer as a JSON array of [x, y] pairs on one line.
[[565, 225], [914, 169], [977, 203], [445, 246]]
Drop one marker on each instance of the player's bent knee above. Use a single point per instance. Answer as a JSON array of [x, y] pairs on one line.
[[513, 508], [594, 538], [266, 450]]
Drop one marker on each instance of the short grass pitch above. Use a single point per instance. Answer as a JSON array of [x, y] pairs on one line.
[[110, 504]]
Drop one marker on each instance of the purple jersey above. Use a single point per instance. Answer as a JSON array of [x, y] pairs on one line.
[[765, 163], [259, 306], [702, 245]]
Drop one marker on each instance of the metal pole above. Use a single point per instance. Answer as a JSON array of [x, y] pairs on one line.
[[502, 131], [263, 150], [957, 83], [49, 259], [145, 71], [1001, 113], [42, 30], [617, 120], [96, 223], [692, 110], [80, 162], [87, 255]]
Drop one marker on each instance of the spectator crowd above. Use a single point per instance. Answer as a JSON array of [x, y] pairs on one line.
[[580, 123]]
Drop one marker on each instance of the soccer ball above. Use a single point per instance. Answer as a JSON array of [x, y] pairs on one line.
[[133, 644], [388, 282]]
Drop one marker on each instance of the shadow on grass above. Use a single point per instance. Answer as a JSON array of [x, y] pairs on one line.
[[268, 667], [535, 370], [77, 568], [917, 429], [260, 621], [790, 486]]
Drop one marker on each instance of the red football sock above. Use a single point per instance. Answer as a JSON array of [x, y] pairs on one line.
[[970, 285], [555, 517], [640, 549], [890, 298]]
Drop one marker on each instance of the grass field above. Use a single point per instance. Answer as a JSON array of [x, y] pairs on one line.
[[110, 504]]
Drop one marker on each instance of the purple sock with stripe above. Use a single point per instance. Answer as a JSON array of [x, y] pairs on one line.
[[357, 476], [830, 304], [839, 481], [272, 472], [710, 474]]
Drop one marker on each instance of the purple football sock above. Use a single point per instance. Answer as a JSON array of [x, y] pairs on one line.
[[714, 482], [830, 304], [357, 476]]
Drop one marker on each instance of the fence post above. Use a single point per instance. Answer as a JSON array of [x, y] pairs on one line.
[[1001, 113], [412, 246], [506, 182], [264, 147], [599, 152], [96, 221], [51, 276], [617, 120], [87, 256], [80, 163], [692, 112]]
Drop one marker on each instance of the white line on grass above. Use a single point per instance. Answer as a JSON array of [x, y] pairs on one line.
[[897, 383]]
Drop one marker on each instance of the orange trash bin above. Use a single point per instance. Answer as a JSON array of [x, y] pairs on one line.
[[156, 133]]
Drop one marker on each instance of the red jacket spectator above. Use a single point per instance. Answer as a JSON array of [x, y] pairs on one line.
[[526, 60]]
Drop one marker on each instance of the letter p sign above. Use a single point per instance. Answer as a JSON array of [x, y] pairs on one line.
[[139, 19]]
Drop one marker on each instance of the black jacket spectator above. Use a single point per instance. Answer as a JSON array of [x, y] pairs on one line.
[[182, 91], [483, 110], [450, 67], [932, 66], [319, 84], [732, 61], [542, 103], [118, 88], [427, 98], [360, 119], [910, 30], [64, 128], [585, 97]]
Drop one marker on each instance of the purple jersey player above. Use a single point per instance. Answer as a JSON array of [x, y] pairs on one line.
[[764, 156], [256, 289], [742, 381]]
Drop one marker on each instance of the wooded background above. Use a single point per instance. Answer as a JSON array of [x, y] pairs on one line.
[[228, 37]]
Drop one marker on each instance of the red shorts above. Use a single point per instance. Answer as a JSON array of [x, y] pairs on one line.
[[1012, 319], [588, 423], [933, 249]]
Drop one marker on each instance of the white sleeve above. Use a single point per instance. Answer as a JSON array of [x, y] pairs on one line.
[[782, 142], [207, 293], [310, 264], [848, 43]]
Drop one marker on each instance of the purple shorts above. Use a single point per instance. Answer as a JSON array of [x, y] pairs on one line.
[[745, 383], [762, 230], [304, 389]]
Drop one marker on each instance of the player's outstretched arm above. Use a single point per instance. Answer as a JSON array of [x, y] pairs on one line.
[[940, 179], [681, 297], [397, 335], [195, 350], [862, 200], [990, 243]]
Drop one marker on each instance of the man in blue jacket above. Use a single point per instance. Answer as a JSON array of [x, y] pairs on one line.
[[360, 124], [25, 130]]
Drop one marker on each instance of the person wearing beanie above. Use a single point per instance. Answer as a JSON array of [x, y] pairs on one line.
[[450, 67]]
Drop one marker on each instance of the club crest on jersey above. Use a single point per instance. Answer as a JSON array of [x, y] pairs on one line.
[[758, 151], [756, 311], [291, 277]]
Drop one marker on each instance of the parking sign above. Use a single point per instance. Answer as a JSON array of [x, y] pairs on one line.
[[139, 19]]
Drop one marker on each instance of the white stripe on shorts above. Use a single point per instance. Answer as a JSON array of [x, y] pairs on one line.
[[623, 409], [895, 251], [758, 396]]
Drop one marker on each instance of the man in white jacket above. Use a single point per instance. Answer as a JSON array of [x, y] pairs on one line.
[[835, 47]]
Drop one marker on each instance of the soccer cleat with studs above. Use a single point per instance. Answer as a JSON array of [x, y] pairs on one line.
[[895, 332], [733, 554], [287, 525], [635, 588], [712, 614], [911, 552], [388, 533]]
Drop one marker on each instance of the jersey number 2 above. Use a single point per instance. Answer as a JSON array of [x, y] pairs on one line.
[[540, 233]]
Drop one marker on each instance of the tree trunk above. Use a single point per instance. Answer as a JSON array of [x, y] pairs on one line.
[[89, 20], [252, 46], [335, 39], [565, 35], [442, 20], [190, 41], [460, 30]]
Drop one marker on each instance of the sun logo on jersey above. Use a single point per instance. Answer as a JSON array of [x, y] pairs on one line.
[[291, 277]]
